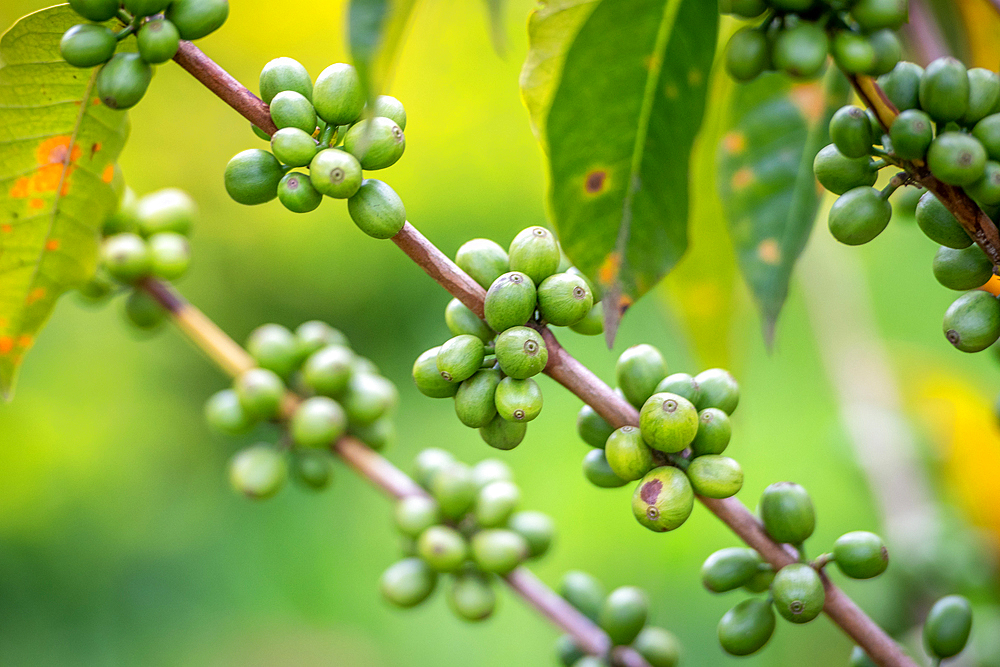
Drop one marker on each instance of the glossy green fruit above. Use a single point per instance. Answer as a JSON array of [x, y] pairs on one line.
[[166, 210], [460, 357], [944, 89], [592, 428], [378, 435], [293, 146], [681, 384], [145, 7], [98, 289], [368, 398], [624, 614], [859, 215], [518, 400], [851, 132], [415, 514], [389, 107], [124, 219], [170, 255], [714, 432], [749, 9], [564, 299], [260, 392], [338, 95], [668, 422], [948, 625], [583, 591], [963, 269], [957, 158], [143, 311], [454, 489], [472, 597], [536, 528], [860, 554], [747, 54], [377, 143], [787, 512], [491, 470], [902, 85], [314, 335], [252, 177], [860, 659], [638, 371], [592, 324], [987, 131], [495, 503], [888, 51], [224, 413], [972, 321], [521, 352], [126, 257], [428, 378], [874, 15], [510, 301], [328, 370], [408, 582], [853, 52], [761, 581], [598, 471], [297, 193], [798, 593], [95, 10], [317, 422], [663, 499], [284, 74], [312, 469], [292, 109], [535, 253], [197, 18], [428, 463], [628, 456], [475, 402], [274, 347], [377, 210], [498, 550], [987, 189], [911, 134], [158, 41], [747, 627], [87, 45], [502, 434], [461, 320], [905, 200], [715, 476], [335, 173], [659, 647], [984, 95], [123, 80], [729, 569], [801, 51], [443, 548], [838, 173], [258, 471], [483, 260], [719, 389], [567, 651], [939, 224]]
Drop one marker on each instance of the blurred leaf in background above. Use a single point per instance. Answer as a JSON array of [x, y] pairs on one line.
[[375, 30]]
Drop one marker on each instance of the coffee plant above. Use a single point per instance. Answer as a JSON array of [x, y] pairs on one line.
[[618, 146]]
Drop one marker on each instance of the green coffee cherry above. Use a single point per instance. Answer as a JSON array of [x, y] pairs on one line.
[[328, 370], [314, 335], [143, 311], [475, 401], [378, 435], [761, 581], [428, 378], [258, 471], [510, 301], [592, 324], [663, 499], [87, 45], [535, 253], [851, 132], [502, 434], [963, 269], [638, 371], [461, 320], [443, 548], [986, 191], [947, 627], [518, 400], [293, 146], [879, 14], [145, 7], [317, 422], [715, 476], [956, 158], [747, 54], [598, 471], [260, 392], [729, 569], [483, 260], [905, 199], [170, 255], [801, 51], [714, 432], [415, 514], [313, 469], [428, 463], [224, 413], [376, 209], [838, 173], [852, 52], [972, 321], [944, 89], [460, 357], [454, 489], [158, 41], [491, 470], [628, 456], [126, 257], [521, 352], [624, 614], [123, 80], [718, 390], [567, 651], [798, 593], [536, 528], [472, 597], [291, 109], [274, 347], [681, 384], [594, 290], [592, 428], [124, 219], [408, 582], [859, 216], [938, 223], [335, 173], [987, 131], [860, 659], [297, 193], [902, 85], [260, 134], [338, 94], [583, 591], [787, 513], [197, 18], [860, 554], [368, 398], [668, 422], [564, 299], [252, 177], [749, 9], [658, 646], [747, 627], [389, 107], [98, 289], [498, 550], [984, 94], [377, 143], [166, 210], [911, 134], [95, 10], [283, 74], [495, 503]]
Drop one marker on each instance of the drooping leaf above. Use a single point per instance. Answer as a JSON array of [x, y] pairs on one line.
[[766, 181], [375, 32], [494, 15], [620, 129], [58, 147]]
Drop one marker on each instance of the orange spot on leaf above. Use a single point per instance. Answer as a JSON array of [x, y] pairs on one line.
[[37, 204], [25, 342], [52, 244], [6, 344], [734, 142], [742, 178], [35, 295], [608, 271], [6, 229], [769, 252], [809, 99], [21, 188], [108, 174]]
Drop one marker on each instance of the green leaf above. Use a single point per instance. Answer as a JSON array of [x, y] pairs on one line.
[[375, 31], [765, 178], [494, 15], [620, 131], [58, 147]]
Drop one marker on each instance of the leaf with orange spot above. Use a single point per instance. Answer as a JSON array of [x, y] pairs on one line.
[[53, 198]]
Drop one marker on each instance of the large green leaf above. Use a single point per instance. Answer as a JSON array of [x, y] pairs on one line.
[[58, 147], [620, 130], [375, 32], [766, 181]]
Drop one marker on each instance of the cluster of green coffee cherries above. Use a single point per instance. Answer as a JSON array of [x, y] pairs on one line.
[[622, 614], [158, 26], [488, 367], [327, 128], [676, 451], [795, 36], [466, 526], [344, 395]]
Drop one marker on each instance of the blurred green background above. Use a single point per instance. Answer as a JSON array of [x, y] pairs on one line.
[[120, 540]]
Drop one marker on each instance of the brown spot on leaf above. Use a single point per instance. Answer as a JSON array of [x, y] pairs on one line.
[[742, 178], [650, 491], [594, 183]]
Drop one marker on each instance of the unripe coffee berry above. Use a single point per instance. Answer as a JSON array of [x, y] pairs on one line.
[[583, 591], [475, 401], [312, 468], [408, 582], [518, 400], [290, 109], [729, 569], [87, 45], [460, 357], [143, 311], [948, 625], [197, 18], [224, 413], [638, 371], [378, 435], [368, 397], [564, 299], [624, 614], [984, 94], [252, 177], [911, 134], [483, 260], [335, 173], [598, 471], [274, 347], [747, 54], [377, 143], [376, 209], [715, 476], [328, 370], [902, 85], [491, 470], [681, 384], [338, 94], [801, 51], [258, 471], [389, 107], [510, 301], [956, 158], [852, 52], [126, 257], [851, 132], [592, 324], [428, 463], [964, 269], [428, 378], [628, 456], [568, 652], [668, 422], [521, 352], [471, 597], [987, 189], [283, 74], [293, 146], [502, 434], [461, 320], [166, 210], [714, 432], [314, 335], [498, 550], [260, 392], [158, 41], [659, 647], [838, 173], [874, 15], [123, 80], [787, 513], [317, 422], [860, 554], [859, 215], [972, 321], [592, 428], [718, 389], [415, 514], [663, 499], [535, 253], [944, 89], [443, 548], [536, 528], [987, 131], [747, 627], [495, 503], [798, 593], [297, 193], [95, 10], [939, 224], [452, 486]]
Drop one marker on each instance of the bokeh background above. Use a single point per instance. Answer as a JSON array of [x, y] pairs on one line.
[[122, 544]]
